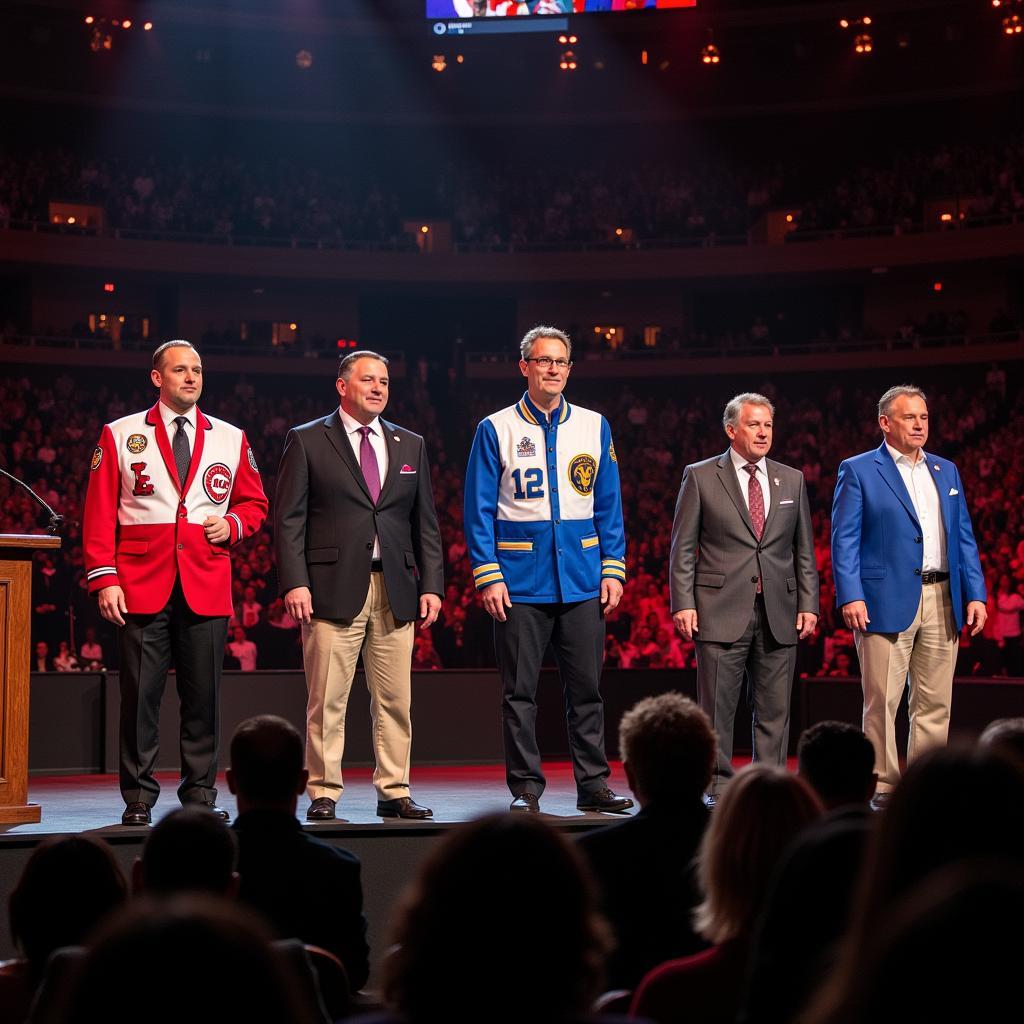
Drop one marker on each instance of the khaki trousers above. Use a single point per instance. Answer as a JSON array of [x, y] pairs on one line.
[[330, 651], [926, 650]]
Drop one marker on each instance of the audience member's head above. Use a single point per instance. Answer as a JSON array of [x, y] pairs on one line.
[[459, 941], [757, 817], [68, 886], [668, 747], [189, 850], [191, 958], [952, 804], [1005, 735], [838, 761], [957, 916], [266, 764]]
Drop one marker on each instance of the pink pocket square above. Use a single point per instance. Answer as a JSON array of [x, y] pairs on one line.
[[407, 469]]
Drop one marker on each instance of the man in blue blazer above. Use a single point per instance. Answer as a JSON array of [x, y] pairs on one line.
[[907, 576]]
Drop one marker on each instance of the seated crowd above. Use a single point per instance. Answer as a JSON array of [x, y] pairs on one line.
[[655, 434], [790, 901], [594, 201]]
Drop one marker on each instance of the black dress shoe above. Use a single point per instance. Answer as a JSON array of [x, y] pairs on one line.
[[604, 800], [217, 812], [403, 807], [137, 813], [528, 802], [321, 809]]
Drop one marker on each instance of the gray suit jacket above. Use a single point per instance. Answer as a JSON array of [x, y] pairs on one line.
[[716, 559]]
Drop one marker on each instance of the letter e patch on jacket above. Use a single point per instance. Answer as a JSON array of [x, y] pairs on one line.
[[142, 485], [217, 482]]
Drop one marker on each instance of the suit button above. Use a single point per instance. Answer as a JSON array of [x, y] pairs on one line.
[[551, 450], [369, 547], [759, 551], [181, 547], [753, 579], [917, 572], [557, 521], [917, 540]]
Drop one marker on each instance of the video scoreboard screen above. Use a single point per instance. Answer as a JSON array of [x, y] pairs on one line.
[[483, 17]]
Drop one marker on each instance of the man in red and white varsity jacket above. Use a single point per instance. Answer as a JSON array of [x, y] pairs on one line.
[[156, 555]]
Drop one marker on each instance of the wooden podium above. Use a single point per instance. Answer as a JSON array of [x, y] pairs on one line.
[[16, 551]]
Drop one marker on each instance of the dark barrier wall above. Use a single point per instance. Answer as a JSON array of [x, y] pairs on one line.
[[456, 713]]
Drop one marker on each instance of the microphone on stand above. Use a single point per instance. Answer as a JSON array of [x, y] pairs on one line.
[[56, 520]]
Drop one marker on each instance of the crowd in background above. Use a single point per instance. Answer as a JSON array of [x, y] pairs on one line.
[[502, 204], [49, 425]]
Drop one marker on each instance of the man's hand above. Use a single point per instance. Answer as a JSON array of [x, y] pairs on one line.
[[218, 530], [977, 616], [430, 608], [686, 622], [855, 615], [298, 603], [495, 598], [805, 623], [112, 606], [611, 595]]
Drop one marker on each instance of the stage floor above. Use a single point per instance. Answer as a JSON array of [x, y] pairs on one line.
[[92, 803]]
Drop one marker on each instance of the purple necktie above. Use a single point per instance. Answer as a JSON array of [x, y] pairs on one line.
[[368, 463]]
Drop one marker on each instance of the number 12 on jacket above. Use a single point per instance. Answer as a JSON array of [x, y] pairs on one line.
[[534, 480]]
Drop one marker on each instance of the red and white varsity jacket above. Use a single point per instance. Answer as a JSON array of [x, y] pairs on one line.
[[142, 530]]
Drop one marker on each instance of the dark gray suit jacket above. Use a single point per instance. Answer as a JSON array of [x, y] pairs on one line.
[[716, 558], [325, 521]]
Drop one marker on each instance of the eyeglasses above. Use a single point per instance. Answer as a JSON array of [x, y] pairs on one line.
[[545, 362]]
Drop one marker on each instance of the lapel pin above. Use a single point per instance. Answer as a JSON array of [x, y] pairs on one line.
[[396, 437], [936, 467], [775, 480]]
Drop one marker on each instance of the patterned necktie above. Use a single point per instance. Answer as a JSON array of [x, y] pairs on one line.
[[182, 453], [368, 463], [755, 497]]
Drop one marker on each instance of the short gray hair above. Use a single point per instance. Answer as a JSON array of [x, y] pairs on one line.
[[731, 416], [347, 362], [885, 402], [543, 331]]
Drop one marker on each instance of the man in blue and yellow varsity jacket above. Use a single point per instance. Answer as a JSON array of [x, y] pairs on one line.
[[543, 520]]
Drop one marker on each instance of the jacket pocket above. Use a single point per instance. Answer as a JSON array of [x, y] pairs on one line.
[[872, 572], [592, 541], [515, 545], [791, 584], [709, 579], [318, 556], [133, 547]]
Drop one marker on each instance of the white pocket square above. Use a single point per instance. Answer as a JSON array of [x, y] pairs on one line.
[[953, 491], [786, 501]]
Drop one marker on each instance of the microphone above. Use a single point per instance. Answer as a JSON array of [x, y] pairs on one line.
[[56, 521]]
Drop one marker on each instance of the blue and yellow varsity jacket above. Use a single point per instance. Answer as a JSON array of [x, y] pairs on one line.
[[543, 507]]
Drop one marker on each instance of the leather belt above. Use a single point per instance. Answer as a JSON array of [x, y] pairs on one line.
[[934, 577], [376, 565]]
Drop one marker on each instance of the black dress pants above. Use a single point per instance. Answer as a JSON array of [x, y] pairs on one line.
[[149, 645], [575, 632]]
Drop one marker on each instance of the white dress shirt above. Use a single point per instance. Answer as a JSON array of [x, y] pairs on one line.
[[924, 493], [168, 415], [380, 449], [738, 462]]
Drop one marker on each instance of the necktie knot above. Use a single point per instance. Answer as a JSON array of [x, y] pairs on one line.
[[365, 431], [181, 421], [751, 468]]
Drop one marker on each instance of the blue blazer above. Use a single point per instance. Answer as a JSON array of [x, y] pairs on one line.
[[876, 540]]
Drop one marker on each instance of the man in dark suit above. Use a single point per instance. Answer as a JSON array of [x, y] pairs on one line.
[[278, 862], [743, 581], [359, 557], [668, 747]]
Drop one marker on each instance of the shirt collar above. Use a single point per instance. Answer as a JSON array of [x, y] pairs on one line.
[[351, 424], [739, 462], [168, 415], [899, 457], [529, 411]]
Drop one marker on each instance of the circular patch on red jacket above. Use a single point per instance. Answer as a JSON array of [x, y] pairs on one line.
[[217, 482]]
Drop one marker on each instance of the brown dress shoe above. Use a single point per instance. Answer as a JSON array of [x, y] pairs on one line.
[[403, 807], [321, 809], [137, 813]]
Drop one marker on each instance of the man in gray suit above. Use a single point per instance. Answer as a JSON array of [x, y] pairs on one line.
[[743, 580]]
